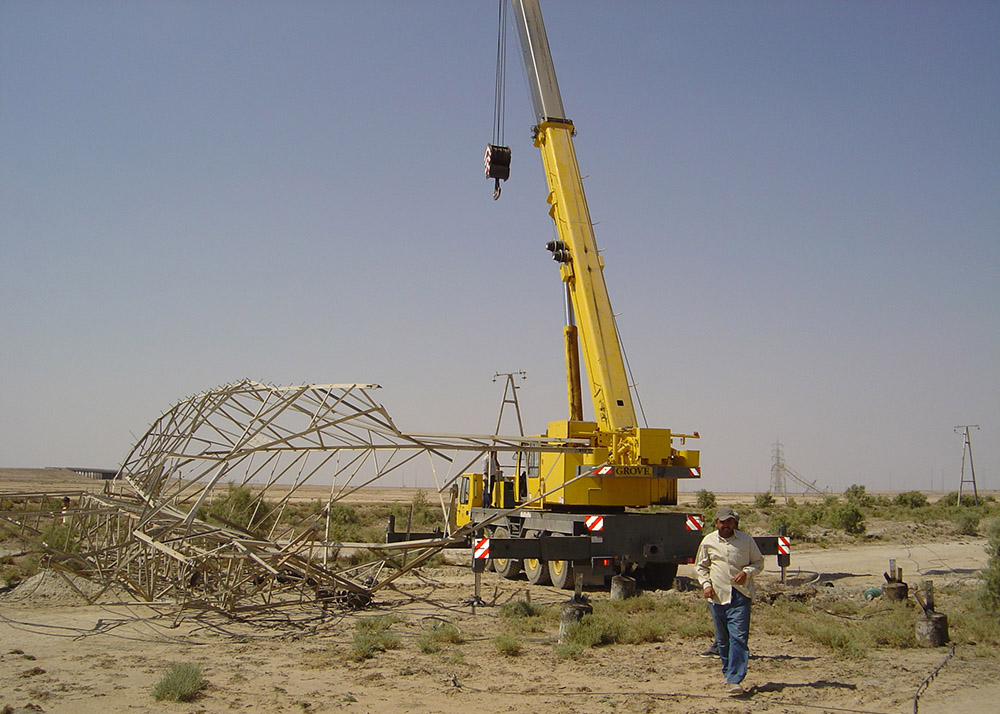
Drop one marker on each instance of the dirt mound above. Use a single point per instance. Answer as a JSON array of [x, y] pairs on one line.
[[48, 587]]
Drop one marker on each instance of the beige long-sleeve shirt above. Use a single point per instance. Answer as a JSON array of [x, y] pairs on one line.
[[719, 559]]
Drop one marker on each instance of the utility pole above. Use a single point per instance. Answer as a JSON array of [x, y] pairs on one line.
[[967, 448]]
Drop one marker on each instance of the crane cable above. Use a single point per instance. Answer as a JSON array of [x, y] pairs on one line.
[[497, 158], [500, 90]]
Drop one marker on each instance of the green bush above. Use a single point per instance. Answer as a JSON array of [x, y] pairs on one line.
[[989, 594], [910, 499], [967, 522], [856, 494], [240, 508], [181, 684], [949, 499], [795, 518], [421, 514], [847, 517], [763, 500], [59, 537], [705, 500]]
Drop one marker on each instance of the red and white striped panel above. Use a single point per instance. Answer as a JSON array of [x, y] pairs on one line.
[[694, 522], [487, 158], [606, 471], [784, 545], [481, 549], [595, 523]]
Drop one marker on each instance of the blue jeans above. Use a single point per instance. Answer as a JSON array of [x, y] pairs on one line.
[[732, 634]]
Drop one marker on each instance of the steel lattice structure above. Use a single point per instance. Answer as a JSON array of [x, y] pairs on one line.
[[155, 540]]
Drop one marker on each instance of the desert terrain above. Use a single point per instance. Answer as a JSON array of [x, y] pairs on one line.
[[60, 654]]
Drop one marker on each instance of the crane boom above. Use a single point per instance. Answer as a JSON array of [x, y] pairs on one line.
[[563, 514], [581, 266]]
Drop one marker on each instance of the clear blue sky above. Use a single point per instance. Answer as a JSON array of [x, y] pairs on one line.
[[798, 203]]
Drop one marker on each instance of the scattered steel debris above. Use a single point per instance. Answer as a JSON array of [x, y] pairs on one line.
[[148, 534]]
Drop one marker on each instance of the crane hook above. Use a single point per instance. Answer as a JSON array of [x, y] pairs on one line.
[[497, 164]]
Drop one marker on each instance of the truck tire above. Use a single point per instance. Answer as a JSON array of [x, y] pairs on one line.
[[536, 570], [659, 576], [508, 568], [561, 574]]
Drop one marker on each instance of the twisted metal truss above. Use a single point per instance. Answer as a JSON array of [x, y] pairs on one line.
[[155, 541]]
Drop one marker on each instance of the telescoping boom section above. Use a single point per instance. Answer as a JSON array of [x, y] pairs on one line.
[[629, 466]]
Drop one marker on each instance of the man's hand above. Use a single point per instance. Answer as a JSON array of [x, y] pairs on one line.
[[740, 577], [709, 592]]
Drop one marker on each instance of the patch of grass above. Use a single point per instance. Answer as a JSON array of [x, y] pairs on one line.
[[970, 622], [633, 621], [521, 616], [442, 633], [59, 537], [836, 638], [570, 649], [15, 569], [521, 608], [850, 628], [181, 683], [427, 644], [372, 635], [989, 592], [508, 645]]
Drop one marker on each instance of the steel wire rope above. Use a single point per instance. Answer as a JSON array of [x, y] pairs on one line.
[[77, 633], [500, 88], [926, 683], [633, 385]]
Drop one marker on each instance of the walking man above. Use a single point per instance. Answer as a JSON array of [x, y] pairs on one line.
[[727, 561]]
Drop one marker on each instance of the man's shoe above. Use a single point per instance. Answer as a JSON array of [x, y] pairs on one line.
[[712, 651], [734, 690]]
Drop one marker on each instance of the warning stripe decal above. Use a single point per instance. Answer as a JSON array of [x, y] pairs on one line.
[[482, 549], [694, 522]]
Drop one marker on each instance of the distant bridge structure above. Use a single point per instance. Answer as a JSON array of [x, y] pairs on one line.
[[99, 474]]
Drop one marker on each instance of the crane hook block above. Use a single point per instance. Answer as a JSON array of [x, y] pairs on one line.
[[497, 163]]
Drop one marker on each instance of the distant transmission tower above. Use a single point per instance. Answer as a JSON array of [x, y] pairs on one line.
[[781, 474], [778, 471], [967, 448], [510, 397]]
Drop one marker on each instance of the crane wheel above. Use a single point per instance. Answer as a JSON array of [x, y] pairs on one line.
[[561, 574], [508, 568], [536, 570]]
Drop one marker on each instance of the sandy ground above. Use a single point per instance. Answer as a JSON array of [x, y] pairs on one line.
[[58, 654], [63, 656]]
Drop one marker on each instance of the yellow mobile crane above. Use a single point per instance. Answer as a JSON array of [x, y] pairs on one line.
[[575, 506], [585, 493]]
